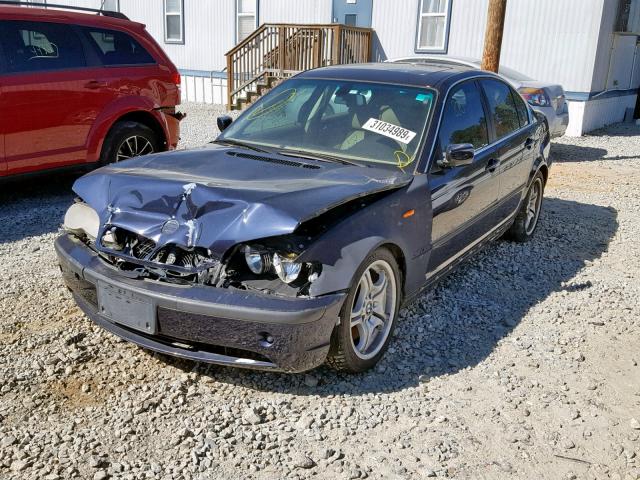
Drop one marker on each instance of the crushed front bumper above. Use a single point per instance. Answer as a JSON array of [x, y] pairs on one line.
[[203, 323]]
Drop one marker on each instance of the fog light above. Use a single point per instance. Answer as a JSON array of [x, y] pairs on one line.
[[265, 339]]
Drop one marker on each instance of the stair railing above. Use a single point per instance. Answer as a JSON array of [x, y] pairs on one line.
[[278, 51]]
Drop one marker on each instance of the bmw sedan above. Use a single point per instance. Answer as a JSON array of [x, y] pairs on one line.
[[297, 235]]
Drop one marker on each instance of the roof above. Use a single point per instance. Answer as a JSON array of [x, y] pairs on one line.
[[66, 16], [423, 74]]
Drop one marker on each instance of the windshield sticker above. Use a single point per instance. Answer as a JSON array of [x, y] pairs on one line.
[[389, 130]]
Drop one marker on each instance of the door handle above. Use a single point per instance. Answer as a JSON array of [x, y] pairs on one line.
[[94, 84], [492, 165], [528, 143]]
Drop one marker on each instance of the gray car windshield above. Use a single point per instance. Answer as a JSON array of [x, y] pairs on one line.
[[354, 121]]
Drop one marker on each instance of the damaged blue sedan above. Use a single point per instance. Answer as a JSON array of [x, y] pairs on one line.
[[296, 236]]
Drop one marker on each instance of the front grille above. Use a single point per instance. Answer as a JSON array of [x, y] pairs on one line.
[[172, 262], [143, 248]]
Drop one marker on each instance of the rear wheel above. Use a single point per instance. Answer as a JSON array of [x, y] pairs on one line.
[[368, 315], [527, 218], [127, 140]]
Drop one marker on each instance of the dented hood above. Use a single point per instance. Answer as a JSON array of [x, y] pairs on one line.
[[215, 197]]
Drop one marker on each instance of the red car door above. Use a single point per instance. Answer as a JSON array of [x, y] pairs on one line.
[[49, 97], [3, 163]]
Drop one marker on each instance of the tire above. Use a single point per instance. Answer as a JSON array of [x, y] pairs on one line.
[[526, 221], [127, 140], [350, 351]]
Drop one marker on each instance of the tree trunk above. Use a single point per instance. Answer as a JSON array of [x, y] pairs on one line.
[[493, 35]]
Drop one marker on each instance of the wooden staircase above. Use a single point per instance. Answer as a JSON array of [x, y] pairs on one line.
[[275, 52]]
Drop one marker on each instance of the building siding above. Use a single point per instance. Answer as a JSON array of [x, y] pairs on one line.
[[209, 30], [295, 11], [538, 40], [571, 42]]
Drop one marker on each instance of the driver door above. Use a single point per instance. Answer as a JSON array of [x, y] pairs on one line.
[[463, 198]]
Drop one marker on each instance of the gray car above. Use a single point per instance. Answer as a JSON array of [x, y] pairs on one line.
[[544, 97]]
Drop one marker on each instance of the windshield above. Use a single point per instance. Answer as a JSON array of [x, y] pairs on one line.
[[356, 121]]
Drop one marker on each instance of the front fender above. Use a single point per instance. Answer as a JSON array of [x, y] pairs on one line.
[[343, 248]]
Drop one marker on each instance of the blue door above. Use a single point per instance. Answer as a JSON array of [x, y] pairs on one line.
[[353, 12]]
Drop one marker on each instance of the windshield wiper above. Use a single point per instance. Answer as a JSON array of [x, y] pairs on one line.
[[238, 143], [323, 157]]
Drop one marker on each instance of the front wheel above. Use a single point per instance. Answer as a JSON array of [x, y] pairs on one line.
[[368, 315], [528, 215]]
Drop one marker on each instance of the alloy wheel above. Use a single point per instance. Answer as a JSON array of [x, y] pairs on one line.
[[533, 206], [134, 146], [373, 309]]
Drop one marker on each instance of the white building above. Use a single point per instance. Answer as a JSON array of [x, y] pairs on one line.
[[591, 47]]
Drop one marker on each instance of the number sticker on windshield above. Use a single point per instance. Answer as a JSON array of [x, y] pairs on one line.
[[389, 130]]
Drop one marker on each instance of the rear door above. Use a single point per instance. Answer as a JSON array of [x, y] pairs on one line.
[[463, 198], [126, 67], [513, 136], [49, 101]]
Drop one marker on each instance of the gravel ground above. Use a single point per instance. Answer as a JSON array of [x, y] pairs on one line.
[[523, 364]]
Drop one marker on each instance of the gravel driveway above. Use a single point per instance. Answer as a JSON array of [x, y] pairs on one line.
[[524, 364]]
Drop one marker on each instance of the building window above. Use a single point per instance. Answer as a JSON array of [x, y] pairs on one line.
[[111, 5], [247, 18], [433, 25], [628, 20], [174, 21]]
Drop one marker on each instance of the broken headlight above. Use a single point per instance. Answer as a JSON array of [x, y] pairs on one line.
[[262, 261], [258, 262], [81, 219], [287, 270]]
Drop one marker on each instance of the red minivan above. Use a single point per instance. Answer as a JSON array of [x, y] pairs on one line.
[[79, 88]]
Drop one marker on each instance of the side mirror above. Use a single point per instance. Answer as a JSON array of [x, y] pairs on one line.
[[223, 122], [457, 155]]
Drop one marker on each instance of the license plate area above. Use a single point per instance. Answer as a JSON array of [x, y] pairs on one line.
[[126, 308]]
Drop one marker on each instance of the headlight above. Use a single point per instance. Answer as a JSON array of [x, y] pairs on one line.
[[81, 218], [263, 260], [287, 270], [258, 262]]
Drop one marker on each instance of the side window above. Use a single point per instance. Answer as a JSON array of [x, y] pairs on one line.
[[464, 119], [521, 106], [117, 48], [40, 46], [502, 107]]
